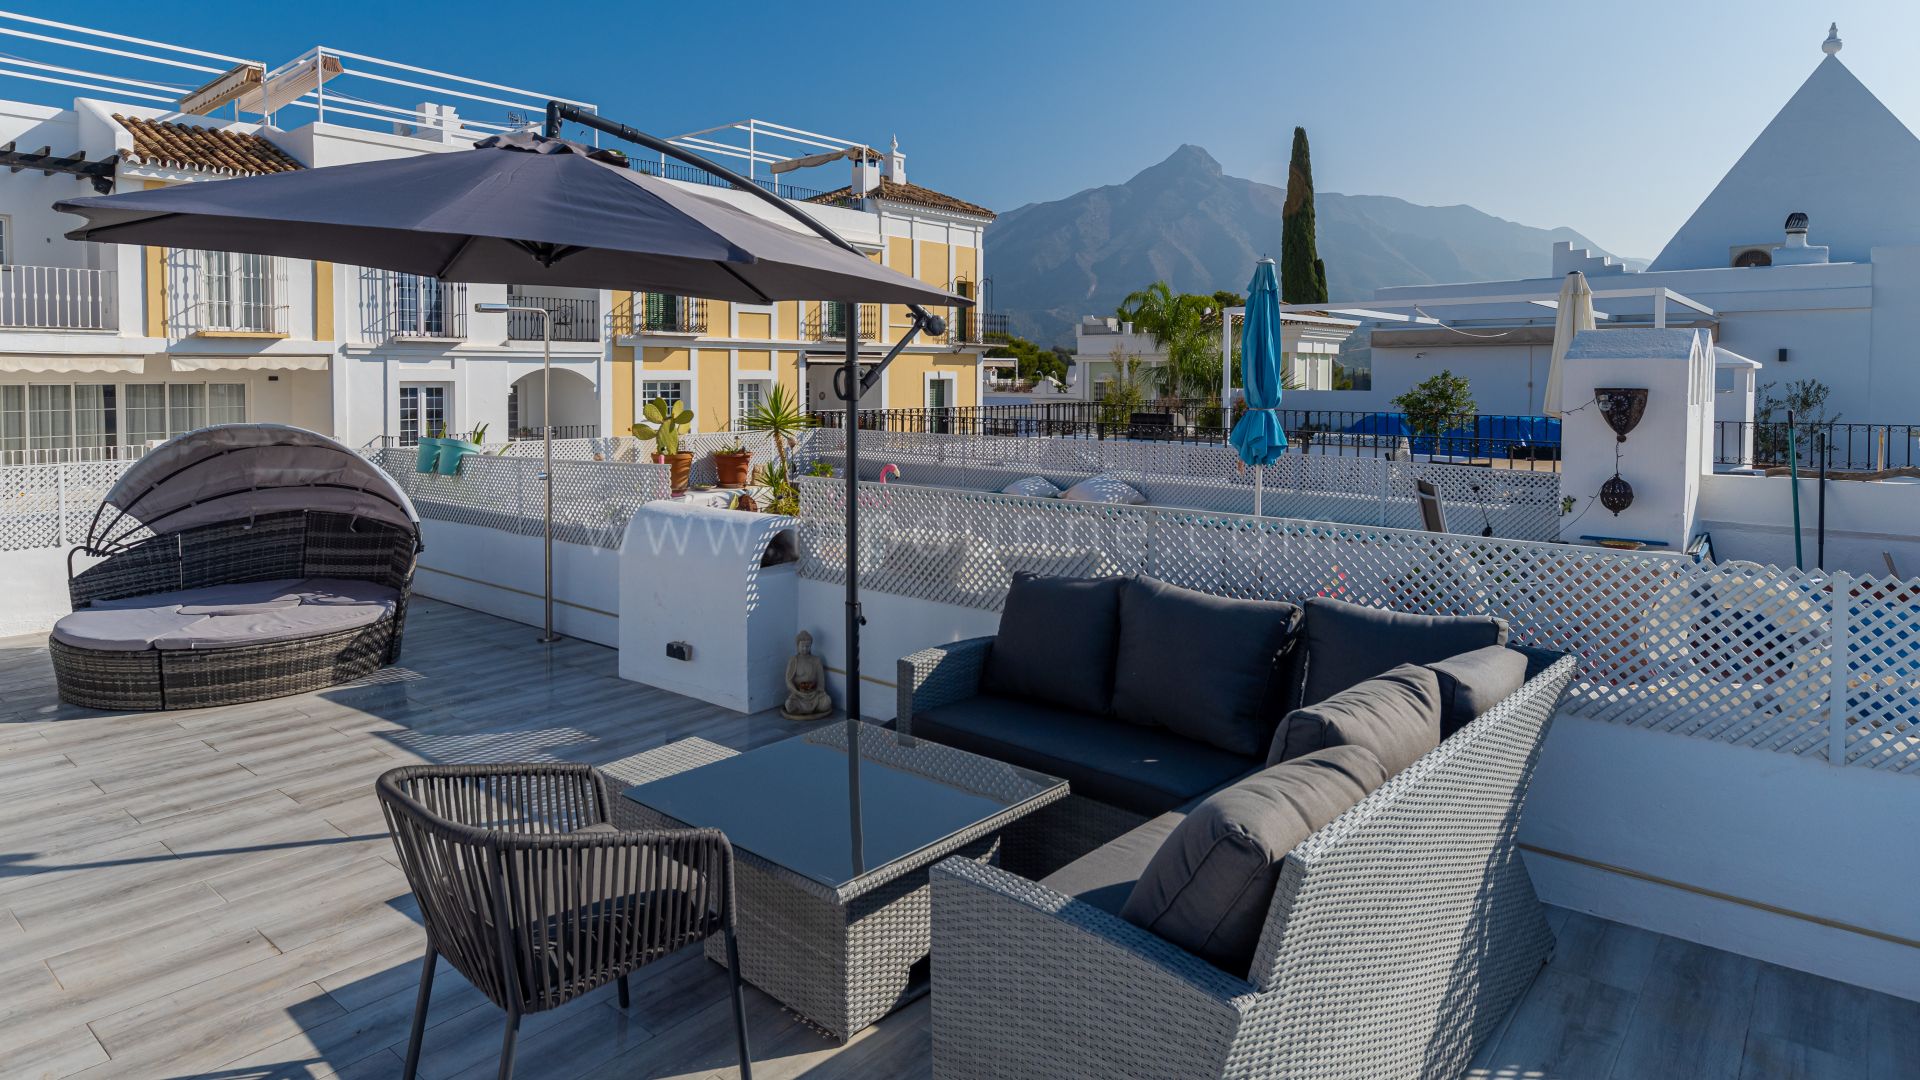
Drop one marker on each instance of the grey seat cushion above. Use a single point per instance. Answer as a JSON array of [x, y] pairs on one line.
[[120, 629], [1209, 886], [1104, 489], [1056, 642], [1395, 715], [1145, 770], [1207, 667], [1035, 487], [1344, 643], [1105, 876], [220, 616], [1476, 681], [266, 627]]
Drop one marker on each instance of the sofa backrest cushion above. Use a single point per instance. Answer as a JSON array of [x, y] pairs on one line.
[[1209, 886], [1476, 681], [1208, 667], [1395, 715], [1056, 642], [1344, 644]]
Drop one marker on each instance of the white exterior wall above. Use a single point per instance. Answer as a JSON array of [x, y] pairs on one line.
[[1751, 517]]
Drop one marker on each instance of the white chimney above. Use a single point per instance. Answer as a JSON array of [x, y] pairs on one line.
[[1796, 251], [866, 172], [897, 163]]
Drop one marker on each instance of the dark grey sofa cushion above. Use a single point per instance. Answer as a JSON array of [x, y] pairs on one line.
[[1105, 876], [1145, 770], [1476, 681], [1396, 715], [1344, 644], [1208, 888], [1056, 642], [1207, 667]]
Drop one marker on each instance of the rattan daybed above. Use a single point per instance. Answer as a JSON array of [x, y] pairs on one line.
[[239, 562]]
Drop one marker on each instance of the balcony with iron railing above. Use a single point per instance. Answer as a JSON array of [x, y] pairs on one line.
[[224, 292], [58, 298], [827, 321], [411, 306], [659, 313], [573, 318]]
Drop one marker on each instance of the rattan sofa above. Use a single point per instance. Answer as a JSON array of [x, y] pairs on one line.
[[1397, 939], [237, 563]]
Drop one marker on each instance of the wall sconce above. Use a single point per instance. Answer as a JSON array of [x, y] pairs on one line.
[[1622, 407]]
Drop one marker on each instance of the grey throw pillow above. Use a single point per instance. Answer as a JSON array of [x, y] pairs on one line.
[[1034, 487], [1476, 681], [1207, 667], [1104, 489], [1344, 643], [1056, 642], [1208, 888], [1396, 715]]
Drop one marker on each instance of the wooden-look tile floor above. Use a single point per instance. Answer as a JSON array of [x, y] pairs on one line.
[[211, 893]]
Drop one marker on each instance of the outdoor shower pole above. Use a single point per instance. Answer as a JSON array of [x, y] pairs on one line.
[[546, 425]]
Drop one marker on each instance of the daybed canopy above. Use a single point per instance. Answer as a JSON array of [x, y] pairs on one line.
[[236, 471]]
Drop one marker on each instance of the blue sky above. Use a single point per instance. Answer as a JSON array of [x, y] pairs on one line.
[[1612, 118]]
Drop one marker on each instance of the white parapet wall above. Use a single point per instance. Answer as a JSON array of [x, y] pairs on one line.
[[1751, 517], [708, 603], [500, 573]]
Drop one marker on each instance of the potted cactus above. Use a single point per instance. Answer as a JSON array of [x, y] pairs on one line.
[[667, 421], [733, 463]]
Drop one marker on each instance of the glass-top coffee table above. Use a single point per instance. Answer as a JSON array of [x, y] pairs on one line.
[[832, 903]]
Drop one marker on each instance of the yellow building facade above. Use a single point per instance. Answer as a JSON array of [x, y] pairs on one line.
[[719, 359]]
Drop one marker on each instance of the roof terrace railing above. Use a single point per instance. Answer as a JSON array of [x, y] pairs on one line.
[[1844, 447]]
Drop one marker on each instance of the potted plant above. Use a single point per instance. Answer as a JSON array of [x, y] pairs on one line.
[[668, 421], [454, 449], [733, 463]]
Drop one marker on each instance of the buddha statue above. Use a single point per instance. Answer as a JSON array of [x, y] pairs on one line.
[[806, 683]]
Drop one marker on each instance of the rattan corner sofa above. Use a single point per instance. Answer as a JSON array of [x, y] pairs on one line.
[[1398, 933], [237, 563]]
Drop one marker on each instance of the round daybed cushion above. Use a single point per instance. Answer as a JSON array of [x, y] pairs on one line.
[[224, 616]]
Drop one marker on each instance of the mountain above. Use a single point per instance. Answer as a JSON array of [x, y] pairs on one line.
[[1186, 222]]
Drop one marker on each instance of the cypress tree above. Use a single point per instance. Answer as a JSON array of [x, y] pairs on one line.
[[1303, 276]]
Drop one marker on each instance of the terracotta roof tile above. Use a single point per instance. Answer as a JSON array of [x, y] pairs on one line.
[[907, 193], [186, 146]]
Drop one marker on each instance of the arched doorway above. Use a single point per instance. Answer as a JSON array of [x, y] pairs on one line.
[[576, 406]]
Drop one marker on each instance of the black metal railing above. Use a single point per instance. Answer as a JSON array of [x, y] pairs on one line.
[[560, 431], [660, 313], [574, 318], [994, 326], [1765, 444], [827, 321], [1528, 442], [675, 170]]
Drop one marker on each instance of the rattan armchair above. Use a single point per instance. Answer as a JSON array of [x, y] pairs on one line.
[[528, 890]]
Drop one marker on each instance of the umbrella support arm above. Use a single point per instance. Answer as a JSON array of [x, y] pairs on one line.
[[560, 112]]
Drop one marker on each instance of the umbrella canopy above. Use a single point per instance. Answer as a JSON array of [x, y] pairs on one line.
[[518, 209], [231, 472], [1573, 314], [1258, 438]]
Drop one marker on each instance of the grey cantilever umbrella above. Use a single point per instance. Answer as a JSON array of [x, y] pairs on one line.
[[517, 209]]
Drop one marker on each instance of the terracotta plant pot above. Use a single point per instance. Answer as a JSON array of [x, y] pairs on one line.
[[680, 468], [733, 469]]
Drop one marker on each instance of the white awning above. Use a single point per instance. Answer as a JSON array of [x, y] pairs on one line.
[[72, 365], [249, 363]]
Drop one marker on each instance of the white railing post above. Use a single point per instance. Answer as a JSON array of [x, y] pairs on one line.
[[1839, 665], [60, 504], [1386, 486]]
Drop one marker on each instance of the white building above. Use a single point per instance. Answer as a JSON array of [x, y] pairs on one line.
[[1310, 343], [105, 349], [1835, 299]]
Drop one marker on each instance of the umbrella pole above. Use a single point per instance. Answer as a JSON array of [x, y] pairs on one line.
[[1257, 471], [851, 393]]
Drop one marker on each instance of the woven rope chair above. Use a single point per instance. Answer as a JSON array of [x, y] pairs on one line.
[[528, 890]]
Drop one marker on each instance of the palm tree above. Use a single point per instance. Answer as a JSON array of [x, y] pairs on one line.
[[779, 415], [1186, 327]]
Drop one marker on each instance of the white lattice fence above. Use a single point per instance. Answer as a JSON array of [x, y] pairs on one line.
[[1356, 490], [50, 506], [1737, 653], [592, 500]]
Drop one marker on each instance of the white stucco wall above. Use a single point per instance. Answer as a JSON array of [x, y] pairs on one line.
[[1751, 517]]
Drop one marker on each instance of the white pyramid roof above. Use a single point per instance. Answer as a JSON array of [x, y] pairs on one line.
[[1833, 151]]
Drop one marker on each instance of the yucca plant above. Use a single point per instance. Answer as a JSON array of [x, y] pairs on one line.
[[780, 416]]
